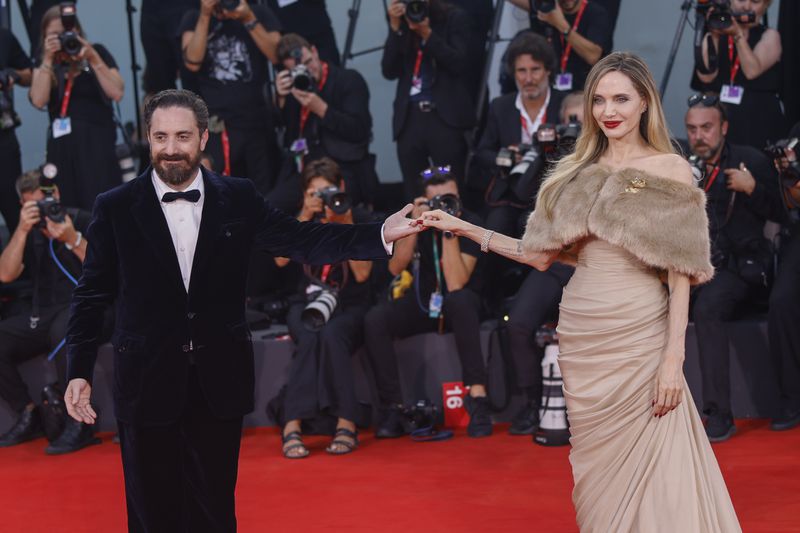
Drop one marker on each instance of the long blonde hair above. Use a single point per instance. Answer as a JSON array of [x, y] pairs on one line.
[[592, 142]]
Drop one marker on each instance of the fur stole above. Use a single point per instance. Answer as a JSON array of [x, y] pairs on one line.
[[660, 221]]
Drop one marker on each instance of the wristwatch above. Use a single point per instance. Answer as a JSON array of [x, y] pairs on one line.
[[69, 246], [250, 26]]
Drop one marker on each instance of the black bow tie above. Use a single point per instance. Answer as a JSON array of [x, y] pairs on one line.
[[190, 196]]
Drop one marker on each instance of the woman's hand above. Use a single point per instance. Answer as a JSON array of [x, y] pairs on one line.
[[52, 45], [668, 391], [396, 11], [442, 221], [88, 52], [312, 205]]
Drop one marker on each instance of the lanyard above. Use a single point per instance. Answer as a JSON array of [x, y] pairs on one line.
[[524, 123], [326, 270], [67, 94], [437, 264], [568, 49], [226, 151], [712, 177], [734, 64], [417, 64], [304, 112]]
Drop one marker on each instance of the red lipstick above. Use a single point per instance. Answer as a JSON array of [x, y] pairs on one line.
[[611, 124]]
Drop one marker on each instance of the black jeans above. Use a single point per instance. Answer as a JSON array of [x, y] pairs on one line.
[[321, 373], [182, 476], [784, 323], [403, 318], [254, 154], [18, 343], [10, 170], [536, 302], [426, 136], [715, 304]]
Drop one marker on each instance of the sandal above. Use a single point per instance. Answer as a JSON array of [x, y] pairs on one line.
[[294, 436], [348, 446]]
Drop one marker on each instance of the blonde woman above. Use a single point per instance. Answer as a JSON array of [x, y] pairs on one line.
[[624, 209]]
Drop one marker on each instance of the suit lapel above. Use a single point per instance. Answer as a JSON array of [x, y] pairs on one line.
[[149, 216], [214, 208]]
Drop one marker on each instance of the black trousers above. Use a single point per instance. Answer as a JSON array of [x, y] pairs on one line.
[[10, 170], [162, 50], [426, 136], [18, 343], [402, 318], [715, 304], [321, 373], [536, 302], [784, 323], [254, 154], [181, 477]]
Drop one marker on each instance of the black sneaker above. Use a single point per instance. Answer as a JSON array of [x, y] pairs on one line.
[[526, 421], [480, 421], [787, 420], [720, 427], [391, 424], [27, 427], [76, 436]]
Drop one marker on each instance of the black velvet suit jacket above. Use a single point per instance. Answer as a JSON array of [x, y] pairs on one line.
[[161, 329]]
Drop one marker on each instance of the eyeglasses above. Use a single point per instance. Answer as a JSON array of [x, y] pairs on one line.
[[430, 172], [706, 100]]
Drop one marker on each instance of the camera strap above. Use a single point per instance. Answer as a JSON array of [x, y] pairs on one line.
[[304, 111], [70, 80], [731, 53], [568, 48], [437, 264]]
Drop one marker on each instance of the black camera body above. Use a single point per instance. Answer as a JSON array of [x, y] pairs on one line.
[[416, 10], [9, 118], [335, 199], [301, 78], [422, 414], [228, 5], [720, 16], [449, 203], [545, 6], [698, 165], [790, 174], [49, 206], [70, 43]]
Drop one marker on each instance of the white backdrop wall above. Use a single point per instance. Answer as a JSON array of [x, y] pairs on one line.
[[646, 27]]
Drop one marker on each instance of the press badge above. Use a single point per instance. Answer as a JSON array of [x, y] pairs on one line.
[[416, 86], [731, 94], [299, 146], [61, 126], [564, 81], [435, 305]]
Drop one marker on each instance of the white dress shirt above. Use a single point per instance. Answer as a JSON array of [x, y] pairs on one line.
[[531, 125], [183, 219]]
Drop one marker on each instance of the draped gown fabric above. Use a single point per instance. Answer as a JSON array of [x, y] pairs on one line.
[[633, 472]]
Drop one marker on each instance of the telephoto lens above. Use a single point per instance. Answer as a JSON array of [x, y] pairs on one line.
[[319, 310]]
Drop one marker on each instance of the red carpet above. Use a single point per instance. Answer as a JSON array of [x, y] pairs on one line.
[[499, 484]]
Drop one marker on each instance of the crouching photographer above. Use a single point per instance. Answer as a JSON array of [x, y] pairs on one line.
[[742, 190], [326, 324], [784, 300], [48, 243], [445, 292]]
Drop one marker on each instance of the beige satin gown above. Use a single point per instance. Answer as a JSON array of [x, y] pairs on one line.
[[633, 472]]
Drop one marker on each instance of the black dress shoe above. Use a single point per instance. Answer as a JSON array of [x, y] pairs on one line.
[[526, 421], [391, 424], [480, 419], [720, 427], [76, 436], [786, 420], [27, 427]]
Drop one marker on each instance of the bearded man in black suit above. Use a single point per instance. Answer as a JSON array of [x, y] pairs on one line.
[[170, 250]]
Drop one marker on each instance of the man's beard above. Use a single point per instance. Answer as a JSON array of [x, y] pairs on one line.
[[532, 93], [176, 174], [705, 151]]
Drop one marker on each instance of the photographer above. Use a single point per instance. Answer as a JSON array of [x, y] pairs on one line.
[[321, 377], [228, 45], [447, 275], [15, 69], [742, 192], [40, 325], [426, 51], [76, 81], [512, 124], [784, 300], [325, 110], [741, 62], [580, 32]]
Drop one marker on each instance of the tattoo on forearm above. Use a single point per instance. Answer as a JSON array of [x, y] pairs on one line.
[[510, 252]]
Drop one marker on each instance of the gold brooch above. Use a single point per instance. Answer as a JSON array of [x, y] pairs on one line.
[[636, 184]]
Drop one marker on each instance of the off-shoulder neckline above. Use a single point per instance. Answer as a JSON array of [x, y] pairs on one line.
[[619, 170]]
